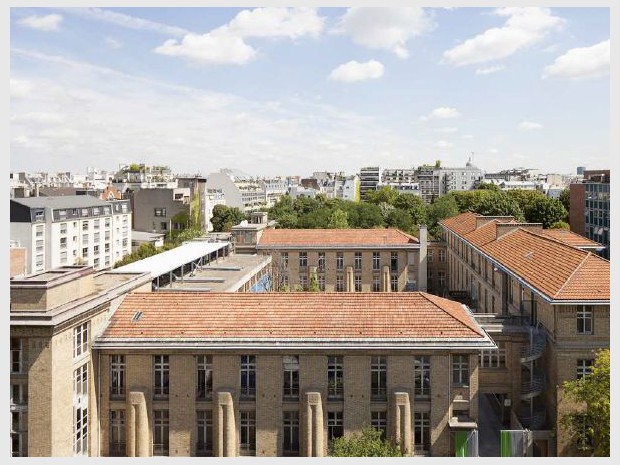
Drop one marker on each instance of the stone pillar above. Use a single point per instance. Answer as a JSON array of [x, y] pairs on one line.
[[182, 405], [349, 281], [402, 423], [226, 437], [138, 434], [314, 425], [385, 279], [357, 394], [440, 404], [269, 381]]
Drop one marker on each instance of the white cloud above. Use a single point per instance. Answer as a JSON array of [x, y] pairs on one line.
[[529, 126], [442, 113], [524, 27], [447, 130], [442, 144], [493, 151], [385, 28], [490, 69], [42, 23], [276, 22], [113, 43], [355, 71], [209, 48], [467, 136], [581, 63], [127, 21], [20, 88]]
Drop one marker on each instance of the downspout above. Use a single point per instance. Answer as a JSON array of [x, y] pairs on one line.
[[99, 403]]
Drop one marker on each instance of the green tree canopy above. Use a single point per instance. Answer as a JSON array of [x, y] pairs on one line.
[[565, 198], [442, 207], [589, 426], [339, 219], [560, 225], [400, 219], [385, 194], [366, 444], [414, 205], [224, 218]]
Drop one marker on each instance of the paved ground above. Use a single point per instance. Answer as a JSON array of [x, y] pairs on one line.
[[489, 427]]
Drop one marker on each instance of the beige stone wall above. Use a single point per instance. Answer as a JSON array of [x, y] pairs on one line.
[[182, 405], [269, 382], [356, 412], [440, 404]]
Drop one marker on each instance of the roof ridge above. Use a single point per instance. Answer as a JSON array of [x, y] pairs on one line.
[[550, 239], [577, 268], [456, 317]]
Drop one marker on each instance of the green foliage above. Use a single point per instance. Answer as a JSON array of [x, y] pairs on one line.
[[414, 205], [488, 202], [560, 225], [366, 444], [339, 219], [437, 163], [385, 194], [565, 198], [196, 212], [590, 427], [314, 282], [538, 208], [134, 168], [443, 207], [400, 219], [488, 186], [224, 218]]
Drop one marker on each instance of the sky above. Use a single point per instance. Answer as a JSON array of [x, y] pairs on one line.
[[289, 91]]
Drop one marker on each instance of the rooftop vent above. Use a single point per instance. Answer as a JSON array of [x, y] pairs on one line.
[[136, 317]]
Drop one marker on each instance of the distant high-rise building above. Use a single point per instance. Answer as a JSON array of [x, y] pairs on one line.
[[580, 170], [370, 177]]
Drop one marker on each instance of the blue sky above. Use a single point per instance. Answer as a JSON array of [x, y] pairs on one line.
[[278, 91]]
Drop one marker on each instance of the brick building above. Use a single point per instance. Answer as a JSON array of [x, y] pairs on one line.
[[545, 300], [347, 260], [185, 374]]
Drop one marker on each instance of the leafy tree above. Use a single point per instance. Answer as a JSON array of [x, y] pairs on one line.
[[365, 215], [287, 220], [414, 205], [318, 218], [196, 211], [314, 282], [560, 225], [385, 194], [546, 211], [224, 217], [366, 444], [437, 163], [498, 203], [590, 426], [386, 209], [565, 198], [443, 207], [488, 186], [339, 219], [400, 219]]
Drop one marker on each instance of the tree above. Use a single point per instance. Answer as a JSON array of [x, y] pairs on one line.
[[488, 186], [400, 219], [565, 198], [443, 207], [547, 211], [339, 219], [385, 194], [224, 217], [314, 282], [414, 205], [560, 225], [366, 444], [590, 426]]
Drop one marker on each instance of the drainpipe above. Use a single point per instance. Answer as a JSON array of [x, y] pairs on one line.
[[99, 403]]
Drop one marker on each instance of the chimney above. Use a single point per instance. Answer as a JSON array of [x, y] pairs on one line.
[[505, 228], [422, 263]]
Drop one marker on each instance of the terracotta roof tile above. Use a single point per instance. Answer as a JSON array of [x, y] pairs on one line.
[[335, 237], [304, 315], [570, 238], [461, 224], [558, 270]]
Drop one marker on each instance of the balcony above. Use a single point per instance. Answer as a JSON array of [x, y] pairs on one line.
[[534, 350], [534, 386]]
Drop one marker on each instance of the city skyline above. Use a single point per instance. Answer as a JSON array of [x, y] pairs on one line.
[[278, 91]]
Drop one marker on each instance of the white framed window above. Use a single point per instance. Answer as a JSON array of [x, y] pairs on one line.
[[17, 355], [204, 428], [303, 282], [248, 376], [118, 438], [376, 261], [378, 378], [80, 340], [358, 260], [460, 370], [339, 283], [335, 377], [422, 376], [247, 427], [85, 225], [340, 261], [376, 283], [584, 367], [19, 434], [493, 358], [358, 283], [161, 433], [63, 228], [442, 255], [394, 283], [284, 258], [321, 263], [378, 421], [204, 369], [584, 320], [117, 376], [80, 430], [334, 425], [291, 377], [303, 259], [161, 365], [290, 433]]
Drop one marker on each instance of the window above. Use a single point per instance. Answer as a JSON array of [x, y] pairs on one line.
[[441, 279], [19, 394], [117, 376], [422, 376], [85, 252], [159, 212], [442, 256], [96, 249], [162, 374], [247, 427], [16, 355], [334, 425], [63, 242], [394, 261], [335, 373], [80, 430], [376, 261], [460, 370], [290, 431], [107, 222], [107, 248], [394, 283], [204, 440], [378, 378], [84, 238], [204, 368], [80, 340], [303, 259], [161, 430], [584, 367], [284, 258], [321, 261], [376, 283], [97, 223], [584, 321], [19, 434], [429, 256], [378, 421], [291, 377], [358, 260], [117, 434], [96, 210], [339, 283], [322, 283], [339, 260], [358, 283], [248, 376], [303, 282], [97, 238], [85, 225], [492, 358]]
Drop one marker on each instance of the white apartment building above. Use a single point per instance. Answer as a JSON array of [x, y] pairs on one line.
[[213, 197], [71, 230]]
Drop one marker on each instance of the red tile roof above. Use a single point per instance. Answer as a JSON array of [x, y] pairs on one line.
[[296, 238], [409, 316], [570, 238], [548, 261]]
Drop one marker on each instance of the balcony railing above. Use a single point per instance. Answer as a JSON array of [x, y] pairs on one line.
[[536, 347], [534, 386], [533, 420]]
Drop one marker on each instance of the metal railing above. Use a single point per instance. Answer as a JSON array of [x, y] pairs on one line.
[[533, 387]]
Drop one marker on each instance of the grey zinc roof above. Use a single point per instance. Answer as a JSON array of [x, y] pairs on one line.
[[63, 201]]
